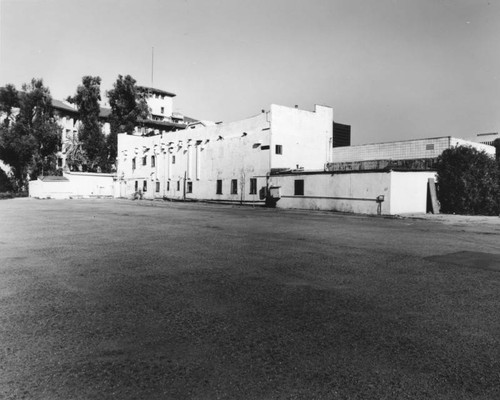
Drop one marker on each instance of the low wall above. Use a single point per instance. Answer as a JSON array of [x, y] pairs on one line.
[[347, 192], [357, 192], [50, 190], [87, 184]]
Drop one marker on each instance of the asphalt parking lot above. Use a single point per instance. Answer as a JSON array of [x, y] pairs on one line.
[[103, 299]]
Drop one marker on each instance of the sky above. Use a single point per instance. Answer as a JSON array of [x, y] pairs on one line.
[[392, 69]]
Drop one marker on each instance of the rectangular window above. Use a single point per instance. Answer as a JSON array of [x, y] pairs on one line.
[[279, 149], [178, 186], [59, 162], [144, 160], [153, 161], [265, 147], [145, 186], [219, 186], [234, 186], [299, 187], [157, 187], [429, 146], [133, 163], [253, 185], [189, 188], [173, 159], [168, 186], [162, 110], [136, 186]]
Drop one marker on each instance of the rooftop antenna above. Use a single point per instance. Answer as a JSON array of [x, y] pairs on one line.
[[152, 64]]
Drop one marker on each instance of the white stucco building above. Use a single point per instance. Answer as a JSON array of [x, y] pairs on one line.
[[229, 162]]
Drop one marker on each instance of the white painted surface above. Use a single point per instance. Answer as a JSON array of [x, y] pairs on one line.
[[240, 151], [404, 192], [347, 192], [50, 190], [409, 191], [86, 184]]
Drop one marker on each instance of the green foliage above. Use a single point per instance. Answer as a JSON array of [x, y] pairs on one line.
[[127, 106], [92, 152], [29, 144], [5, 182], [469, 182], [9, 99]]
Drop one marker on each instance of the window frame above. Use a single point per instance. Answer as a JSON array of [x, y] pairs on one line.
[[218, 189], [278, 149], [234, 186], [253, 186], [298, 187]]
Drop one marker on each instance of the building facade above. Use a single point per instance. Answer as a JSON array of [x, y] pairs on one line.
[[230, 162]]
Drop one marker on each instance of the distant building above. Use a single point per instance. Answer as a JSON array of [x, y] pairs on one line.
[[162, 119], [487, 138]]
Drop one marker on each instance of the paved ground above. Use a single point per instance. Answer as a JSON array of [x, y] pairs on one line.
[[105, 299]]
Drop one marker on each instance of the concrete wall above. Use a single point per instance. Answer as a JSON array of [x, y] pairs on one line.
[[409, 191], [305, 137], [349, 192], [88, 184], [403, 150], [404, 192], [50, 190]]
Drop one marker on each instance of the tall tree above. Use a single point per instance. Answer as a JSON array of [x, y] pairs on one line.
[[468, 182], [87, 98], [29, 144], [9, 99], [127, 106]]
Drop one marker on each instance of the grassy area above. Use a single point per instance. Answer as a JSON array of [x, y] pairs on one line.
[[113, 299]]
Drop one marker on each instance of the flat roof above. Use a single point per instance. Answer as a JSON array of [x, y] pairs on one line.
[[155, 91]]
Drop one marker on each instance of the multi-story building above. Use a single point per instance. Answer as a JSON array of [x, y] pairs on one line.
[[162, 119]]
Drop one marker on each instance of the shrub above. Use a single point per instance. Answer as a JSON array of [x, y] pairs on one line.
[[469, 182]]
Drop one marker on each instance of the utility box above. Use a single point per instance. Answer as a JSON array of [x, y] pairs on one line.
[[275, 192]]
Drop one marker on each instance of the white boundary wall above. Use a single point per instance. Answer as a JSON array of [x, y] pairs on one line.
[[404, 192]]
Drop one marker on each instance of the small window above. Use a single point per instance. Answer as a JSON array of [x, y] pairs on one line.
[[178, 186], [153, 161], [173, 159], [133, 164], [265, 147], [144, 160], [299, 187], [219, 186], [136, 186], [234, 186], [157, 187], [59, 162], [279, 149], [253, 185], [429, 146], [189, 188], [145, 186], [168, 186], [162, 110]]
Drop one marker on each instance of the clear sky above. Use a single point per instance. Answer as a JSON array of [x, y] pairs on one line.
[[393, 69]]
